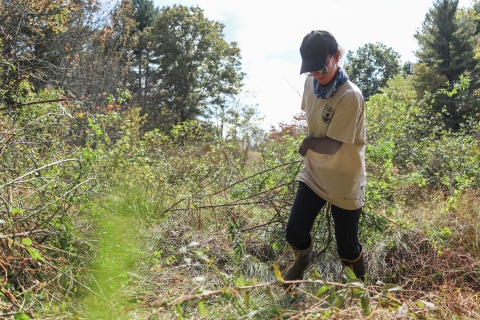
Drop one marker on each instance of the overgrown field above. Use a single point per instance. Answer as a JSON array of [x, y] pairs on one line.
[[181, 225], [217, 248], [137, 182]]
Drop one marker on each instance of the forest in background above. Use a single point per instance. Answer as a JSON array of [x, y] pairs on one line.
[[136, 183]]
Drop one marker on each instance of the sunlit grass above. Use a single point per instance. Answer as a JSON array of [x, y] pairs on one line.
[[114, 273]]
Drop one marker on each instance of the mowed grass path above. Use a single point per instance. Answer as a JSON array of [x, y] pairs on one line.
[[114, 276]]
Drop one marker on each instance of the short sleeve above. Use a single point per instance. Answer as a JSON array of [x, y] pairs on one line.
[[304, 100]]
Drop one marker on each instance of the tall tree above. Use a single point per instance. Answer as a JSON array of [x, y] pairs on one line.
[[427, 80], [39, 41], [372, 66], [145, 13], [446, 41], [240, 121], [104, 64], [195, 67]]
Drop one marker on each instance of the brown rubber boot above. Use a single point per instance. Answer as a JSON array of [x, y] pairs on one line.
[[302, 259], [357, 265]]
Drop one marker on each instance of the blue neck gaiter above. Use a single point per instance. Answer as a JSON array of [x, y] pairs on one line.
[[325, 92]]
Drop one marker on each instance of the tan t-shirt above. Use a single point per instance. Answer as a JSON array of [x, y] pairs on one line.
[[338, 178]]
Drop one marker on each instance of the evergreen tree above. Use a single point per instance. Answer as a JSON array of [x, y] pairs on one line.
[[145, 13], [145, 16], [446, 41]]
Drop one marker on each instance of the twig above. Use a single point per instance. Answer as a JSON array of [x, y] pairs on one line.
[[8, 313], [6, 273], [235, 290], [260, 225], [30, 103], [231, 185], [79, 283], [221, 205], [26, 233], [36, 170], [293, 87]]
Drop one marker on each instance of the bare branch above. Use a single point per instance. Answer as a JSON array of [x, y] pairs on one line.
[[30, 103]]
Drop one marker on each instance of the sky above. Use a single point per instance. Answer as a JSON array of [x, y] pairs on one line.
[[269, 34]]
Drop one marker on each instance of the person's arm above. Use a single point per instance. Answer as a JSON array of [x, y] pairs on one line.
[[319, 145]]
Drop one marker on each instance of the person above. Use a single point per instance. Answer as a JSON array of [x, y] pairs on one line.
[[334, 157]]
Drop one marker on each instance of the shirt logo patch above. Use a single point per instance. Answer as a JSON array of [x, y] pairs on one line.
[[327, 114]]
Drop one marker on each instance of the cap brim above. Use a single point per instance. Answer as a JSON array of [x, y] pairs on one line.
[[312, 65]]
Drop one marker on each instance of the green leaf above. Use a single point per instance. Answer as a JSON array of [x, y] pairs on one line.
[[246, 298], [21, 316], [268, 291], [27, 241], [179, 311], [389, 287], [277, 272], [340, 300], [201, 308], [316, 276], [356, 292], [350, 274], [352, 283], [275, 246], [227, 294], [17, 211], [322, 291], [365, 301], [35, 254], [332, 295]]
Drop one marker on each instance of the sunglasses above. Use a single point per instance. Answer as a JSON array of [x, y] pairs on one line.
[[324, 70]]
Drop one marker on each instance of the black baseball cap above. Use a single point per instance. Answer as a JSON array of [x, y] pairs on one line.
[[315, 48]]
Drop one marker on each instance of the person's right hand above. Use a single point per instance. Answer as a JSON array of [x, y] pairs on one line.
[[304, 146]]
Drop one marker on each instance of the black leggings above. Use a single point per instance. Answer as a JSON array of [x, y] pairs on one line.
[[306, 206]]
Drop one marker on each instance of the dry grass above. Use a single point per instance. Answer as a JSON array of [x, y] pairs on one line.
[[435, 262], [440, 275]]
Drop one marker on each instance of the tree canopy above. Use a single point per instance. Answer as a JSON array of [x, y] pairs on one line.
[[145, 13], [193, 66], [447, 40], [372, 66]]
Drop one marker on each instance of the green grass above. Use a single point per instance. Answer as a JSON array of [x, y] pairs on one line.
[[139, 251], [114, 267]]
